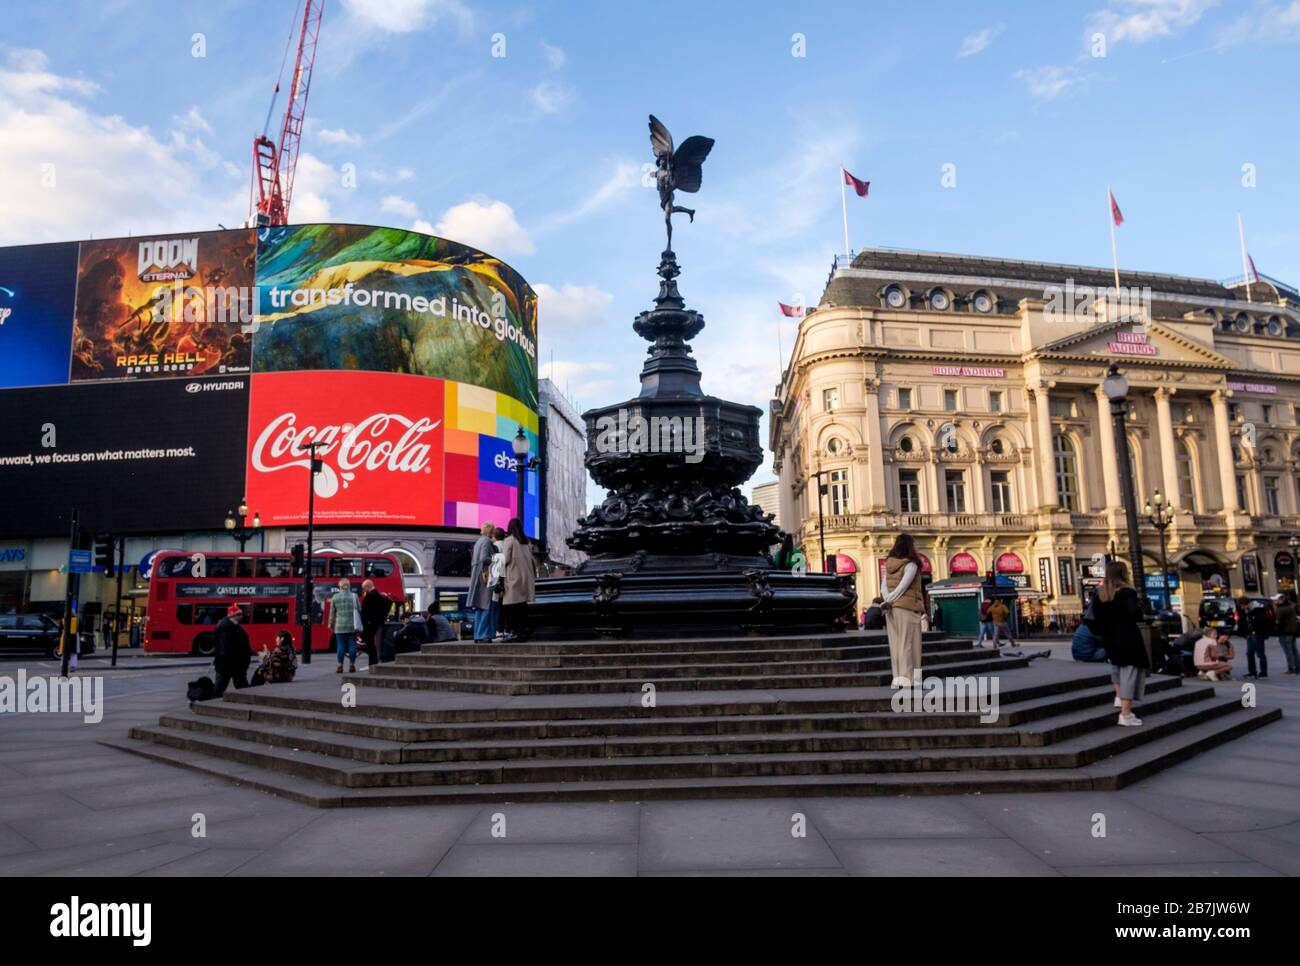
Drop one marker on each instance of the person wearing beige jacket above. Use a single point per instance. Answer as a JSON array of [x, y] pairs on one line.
[[905, 607], [520, 571]]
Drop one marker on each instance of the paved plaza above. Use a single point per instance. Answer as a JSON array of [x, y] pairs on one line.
[[73, 807]]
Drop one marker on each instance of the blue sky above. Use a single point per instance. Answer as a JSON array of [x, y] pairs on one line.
[[537, 156]]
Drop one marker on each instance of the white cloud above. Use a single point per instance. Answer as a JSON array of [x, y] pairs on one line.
[[571, 306], [338, 135], [1141, 21], [385, 177], [1050, 82], [315, 184], [421, 225], [979, 41], [554, 56], [406, 16], [192, 120], [625, 176], [70, 172], [579, 379], [397, 205], [550, 96], [1266, 24], [488, 225]]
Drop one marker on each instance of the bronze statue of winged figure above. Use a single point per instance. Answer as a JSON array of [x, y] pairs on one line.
[[679, 170]]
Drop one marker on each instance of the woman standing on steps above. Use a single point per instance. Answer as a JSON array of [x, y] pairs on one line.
[[905, 603], [520, 570], [1116, 616]]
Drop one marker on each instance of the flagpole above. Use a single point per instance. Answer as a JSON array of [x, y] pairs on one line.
[[1245, 270], [1114, 251], [780, 355], [844, 210]]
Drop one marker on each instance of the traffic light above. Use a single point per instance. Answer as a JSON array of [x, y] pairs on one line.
[[105, 552]]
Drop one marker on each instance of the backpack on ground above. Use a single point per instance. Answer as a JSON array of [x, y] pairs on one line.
[[200, 689]]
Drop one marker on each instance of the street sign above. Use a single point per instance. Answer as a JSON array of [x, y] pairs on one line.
[[80, 562]]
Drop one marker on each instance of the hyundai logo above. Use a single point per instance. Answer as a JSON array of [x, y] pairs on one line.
[[194, 387]]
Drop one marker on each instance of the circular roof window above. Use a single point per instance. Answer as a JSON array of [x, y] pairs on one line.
[[982, 301], [1242, 324], [834, 445], [895, 297], [938, 300], [997, 447], [1274, 326], [905, 444]]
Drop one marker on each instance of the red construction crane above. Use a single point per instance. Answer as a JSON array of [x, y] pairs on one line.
[[274, 165]]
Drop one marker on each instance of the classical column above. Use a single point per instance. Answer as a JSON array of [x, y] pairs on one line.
[[975, 487], [1168, 450], [1106, 435], [1048, 495], [1223, 450], [878, 500]]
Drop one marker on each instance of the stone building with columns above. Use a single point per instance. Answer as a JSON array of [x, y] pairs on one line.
[[959, 398]]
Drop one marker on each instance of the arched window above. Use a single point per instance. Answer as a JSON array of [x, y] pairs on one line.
[[406, 560], [1067, 472], [1186, 481]]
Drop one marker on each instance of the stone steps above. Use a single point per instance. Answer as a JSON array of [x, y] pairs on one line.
[[801, 715], [811, 738], [359, 722], [1177, 742], [583, 681]]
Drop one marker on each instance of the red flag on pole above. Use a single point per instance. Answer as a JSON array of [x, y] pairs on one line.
[[1116, 215], [791, 311], [861, 187], [1254, 272]]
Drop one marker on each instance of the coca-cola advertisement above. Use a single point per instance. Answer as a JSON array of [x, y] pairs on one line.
[[380, 443]]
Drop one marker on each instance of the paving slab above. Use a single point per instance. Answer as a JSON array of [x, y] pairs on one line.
[[728, 834], [1176, 870], [391, 841], [950, 857], [131, 862], [563, 824], [540, 859], [1059, 830], [903, 817], [1207, 816], [208, 862]]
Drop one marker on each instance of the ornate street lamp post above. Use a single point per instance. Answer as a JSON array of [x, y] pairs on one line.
[[1161, 516], [1115, 385], [522, 465], [237, 529]]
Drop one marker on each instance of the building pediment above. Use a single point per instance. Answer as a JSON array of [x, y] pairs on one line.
[[1132, 342]]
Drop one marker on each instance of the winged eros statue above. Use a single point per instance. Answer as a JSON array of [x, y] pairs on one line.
[[679, 170]]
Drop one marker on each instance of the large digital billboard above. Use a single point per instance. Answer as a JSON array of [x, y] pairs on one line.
[[387, 300], [414, 358], [164, 306], [37, 283], [395, 449], [151, 456]]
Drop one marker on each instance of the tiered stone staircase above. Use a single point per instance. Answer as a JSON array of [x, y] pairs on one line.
[[557, 721]]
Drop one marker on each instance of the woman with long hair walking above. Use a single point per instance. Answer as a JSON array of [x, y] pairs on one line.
[[1116, 616], [904, 604]]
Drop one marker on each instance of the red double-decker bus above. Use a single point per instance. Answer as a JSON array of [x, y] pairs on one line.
[[189, 594]]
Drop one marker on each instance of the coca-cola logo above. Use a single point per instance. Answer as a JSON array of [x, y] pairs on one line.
[[368, 444]]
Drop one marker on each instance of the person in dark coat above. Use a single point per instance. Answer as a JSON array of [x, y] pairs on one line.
[[374, 611], [1086, 646], [233, 652], [1117, 613], [873, 618], [479, 598]]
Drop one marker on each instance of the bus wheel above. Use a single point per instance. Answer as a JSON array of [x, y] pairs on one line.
[[205, 645]]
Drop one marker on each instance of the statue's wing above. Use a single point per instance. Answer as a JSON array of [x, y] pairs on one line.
[[688, 163], [660, 140]]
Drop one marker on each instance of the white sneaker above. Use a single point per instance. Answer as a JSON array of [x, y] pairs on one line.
[[1203, 675], [901, 682], [1129, 720], [1119, 703], [1211, 675]]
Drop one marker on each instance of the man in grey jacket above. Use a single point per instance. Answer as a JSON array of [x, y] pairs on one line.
[[479, 597]]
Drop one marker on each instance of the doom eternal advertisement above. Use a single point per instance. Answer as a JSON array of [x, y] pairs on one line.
[[387, 300], [164, 306]]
